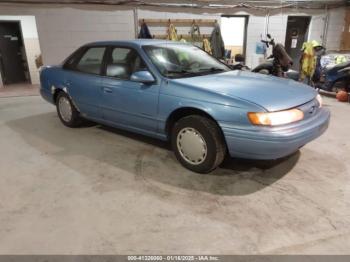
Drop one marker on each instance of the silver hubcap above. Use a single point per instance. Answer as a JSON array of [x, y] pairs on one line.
[[191, 145], [65, 109]]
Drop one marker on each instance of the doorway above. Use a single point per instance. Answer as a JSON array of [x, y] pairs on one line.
[[296, 35], [234, 34], [13, 62]]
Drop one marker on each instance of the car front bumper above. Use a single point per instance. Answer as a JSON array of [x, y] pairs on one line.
[[274, 142]]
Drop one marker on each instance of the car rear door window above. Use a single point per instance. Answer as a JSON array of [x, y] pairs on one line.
[[123, 62], [91, 61]]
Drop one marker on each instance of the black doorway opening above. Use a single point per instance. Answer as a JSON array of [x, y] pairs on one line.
[[296, 35], [13, 61]]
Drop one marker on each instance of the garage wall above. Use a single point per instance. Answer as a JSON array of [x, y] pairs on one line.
[[277, 26], [63, 29], [31, 42], [256, 30], [335, 28], [257, 25]]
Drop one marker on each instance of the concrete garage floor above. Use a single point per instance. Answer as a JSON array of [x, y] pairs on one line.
[[96, 190]]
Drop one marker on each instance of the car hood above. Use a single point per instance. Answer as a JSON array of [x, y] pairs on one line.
[[270, 92]]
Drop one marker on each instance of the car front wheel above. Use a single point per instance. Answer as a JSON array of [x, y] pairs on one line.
[[198, 143], [66, 111]]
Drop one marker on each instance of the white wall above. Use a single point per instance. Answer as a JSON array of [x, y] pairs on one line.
[[31, 42], [335, 28], [62, 29], [256, 30], [316, 28]]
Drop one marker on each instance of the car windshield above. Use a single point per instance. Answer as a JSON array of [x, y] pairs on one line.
[[183, 60]]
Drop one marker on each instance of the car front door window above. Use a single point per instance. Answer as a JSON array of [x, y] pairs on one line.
[[123, 62]]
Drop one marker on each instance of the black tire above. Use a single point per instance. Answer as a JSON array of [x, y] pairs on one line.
[[75, 119], [210, 133], [340, 85]]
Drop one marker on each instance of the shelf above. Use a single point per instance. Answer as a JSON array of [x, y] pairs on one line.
[[186, 37], [178, 22]]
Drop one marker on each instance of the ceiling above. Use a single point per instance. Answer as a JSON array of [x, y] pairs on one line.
[[207, 4]]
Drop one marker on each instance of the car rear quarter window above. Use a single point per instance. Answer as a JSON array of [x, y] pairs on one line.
[[91, 61]]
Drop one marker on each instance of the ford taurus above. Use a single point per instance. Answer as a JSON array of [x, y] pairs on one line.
[[177, 92]]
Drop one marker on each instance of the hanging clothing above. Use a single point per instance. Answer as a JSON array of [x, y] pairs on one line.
[[195, 36], [217, 44], [318, 70], [195, 33], [172, 33], [144, 32], [308, 61], [207, 46]]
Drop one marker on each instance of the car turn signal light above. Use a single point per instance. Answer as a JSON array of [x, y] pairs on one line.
[[276, 118]]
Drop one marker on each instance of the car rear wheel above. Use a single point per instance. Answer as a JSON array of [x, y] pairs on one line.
[[66, 111], [198, 143]]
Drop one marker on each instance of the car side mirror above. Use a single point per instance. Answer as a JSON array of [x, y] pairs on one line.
[[142, 77]]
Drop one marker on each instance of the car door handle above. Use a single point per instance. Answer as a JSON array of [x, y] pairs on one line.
[[107, 90]]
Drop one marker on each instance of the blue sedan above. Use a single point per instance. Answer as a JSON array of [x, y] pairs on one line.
[[177, 92]]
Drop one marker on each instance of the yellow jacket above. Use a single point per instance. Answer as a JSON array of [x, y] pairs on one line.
[[172, 33], [308, 61], [207, 46]]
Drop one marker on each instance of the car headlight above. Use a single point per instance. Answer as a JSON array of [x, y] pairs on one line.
[[276, 118], [320, 100]]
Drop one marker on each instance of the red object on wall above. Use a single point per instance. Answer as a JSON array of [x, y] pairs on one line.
[[342, 96]]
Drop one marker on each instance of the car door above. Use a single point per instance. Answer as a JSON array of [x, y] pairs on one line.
[[83, 81], [128, 103]]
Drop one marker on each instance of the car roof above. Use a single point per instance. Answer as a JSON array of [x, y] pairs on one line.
[[136, 42]]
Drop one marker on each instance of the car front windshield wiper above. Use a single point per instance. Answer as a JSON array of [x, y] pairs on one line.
[[211, 70], [202, 71], [182, 72]]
